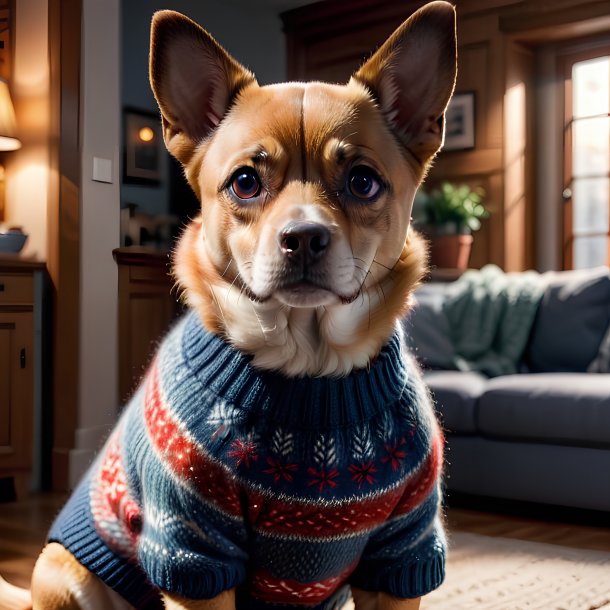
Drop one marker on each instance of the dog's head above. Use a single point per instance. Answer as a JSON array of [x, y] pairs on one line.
[[302, 254]]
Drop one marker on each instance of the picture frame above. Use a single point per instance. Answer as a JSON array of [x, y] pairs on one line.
[[143, 143], [460, 122]]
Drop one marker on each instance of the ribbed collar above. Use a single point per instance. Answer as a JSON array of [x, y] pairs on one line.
[[304, 402]]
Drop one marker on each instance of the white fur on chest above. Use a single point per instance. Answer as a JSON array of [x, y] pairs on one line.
[[299, 341]]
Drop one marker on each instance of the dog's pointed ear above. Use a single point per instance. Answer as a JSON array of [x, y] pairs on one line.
[[194, 81], [412, 77]]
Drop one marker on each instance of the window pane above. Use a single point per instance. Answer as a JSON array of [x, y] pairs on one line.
[[590, 198], [590, 86], [590, 251], [590, 153]]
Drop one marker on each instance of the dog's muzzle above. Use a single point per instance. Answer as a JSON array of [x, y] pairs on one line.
[[304, 242]]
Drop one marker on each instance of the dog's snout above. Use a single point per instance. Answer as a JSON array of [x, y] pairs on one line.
[[308, 240]]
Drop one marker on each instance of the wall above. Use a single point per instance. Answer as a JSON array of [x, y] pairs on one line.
[[250, 31], [100, 119], [27, 170]]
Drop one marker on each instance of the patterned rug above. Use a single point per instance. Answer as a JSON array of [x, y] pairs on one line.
[[485, 573]]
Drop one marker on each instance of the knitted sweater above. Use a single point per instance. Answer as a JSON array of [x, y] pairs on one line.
[[219, 475]]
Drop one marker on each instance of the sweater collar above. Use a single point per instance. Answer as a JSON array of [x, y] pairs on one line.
[[304, 402]]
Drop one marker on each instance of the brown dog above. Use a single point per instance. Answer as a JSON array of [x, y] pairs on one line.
[[302, 257]]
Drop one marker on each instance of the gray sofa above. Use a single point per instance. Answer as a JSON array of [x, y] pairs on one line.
[[542, 433]]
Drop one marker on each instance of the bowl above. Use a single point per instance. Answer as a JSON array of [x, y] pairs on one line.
[[12, 241]]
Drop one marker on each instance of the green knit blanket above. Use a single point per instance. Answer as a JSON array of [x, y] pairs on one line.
[[490, 316]]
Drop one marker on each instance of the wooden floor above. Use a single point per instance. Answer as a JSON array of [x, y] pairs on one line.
[[23, 526]]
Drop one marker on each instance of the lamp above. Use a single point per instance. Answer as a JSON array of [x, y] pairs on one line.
[[8, 125]]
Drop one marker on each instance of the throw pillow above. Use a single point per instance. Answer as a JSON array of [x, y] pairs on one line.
[[427, 328], [571, 321], [601, 364]]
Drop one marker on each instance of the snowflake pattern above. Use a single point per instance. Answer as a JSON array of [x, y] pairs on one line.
[[280, 470], [243, 452], [362, 473], [322, 478], [222, 417], [395, 454]]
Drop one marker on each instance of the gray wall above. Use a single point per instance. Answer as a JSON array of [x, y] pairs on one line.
[[251, 31]]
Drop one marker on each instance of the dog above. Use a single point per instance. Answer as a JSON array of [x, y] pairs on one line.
[[282, 448]]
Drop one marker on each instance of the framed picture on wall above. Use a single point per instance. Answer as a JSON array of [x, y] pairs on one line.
[[459, 122], [143, 146]]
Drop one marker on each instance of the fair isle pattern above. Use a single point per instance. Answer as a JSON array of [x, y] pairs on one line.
[[288, 489]]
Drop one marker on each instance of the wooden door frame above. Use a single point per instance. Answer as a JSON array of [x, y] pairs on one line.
[[63, 222]]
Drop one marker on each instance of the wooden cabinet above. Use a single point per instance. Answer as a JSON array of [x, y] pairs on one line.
[[21, 373], [147, 306]]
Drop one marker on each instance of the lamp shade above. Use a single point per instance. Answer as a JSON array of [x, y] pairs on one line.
[[8, 125]]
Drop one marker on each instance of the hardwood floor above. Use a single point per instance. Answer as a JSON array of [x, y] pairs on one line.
[[23, 526]]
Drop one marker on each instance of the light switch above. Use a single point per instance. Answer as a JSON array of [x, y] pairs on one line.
[[102, 170]]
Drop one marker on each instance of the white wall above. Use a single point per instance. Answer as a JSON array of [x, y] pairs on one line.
[[100, 120]]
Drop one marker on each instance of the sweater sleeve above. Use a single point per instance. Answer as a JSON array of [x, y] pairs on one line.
[[406, 556], [189, 546]]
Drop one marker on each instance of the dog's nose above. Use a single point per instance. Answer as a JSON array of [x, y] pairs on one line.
[[305, 239]]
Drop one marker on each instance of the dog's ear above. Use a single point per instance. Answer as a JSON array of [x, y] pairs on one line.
[[194, 81], [412, 77]]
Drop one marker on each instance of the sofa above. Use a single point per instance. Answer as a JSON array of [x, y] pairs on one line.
[[536, 429]]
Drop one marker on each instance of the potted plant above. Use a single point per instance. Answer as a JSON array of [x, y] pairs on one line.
[[448, 215]]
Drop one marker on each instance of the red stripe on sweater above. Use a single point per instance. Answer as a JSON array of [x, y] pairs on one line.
[[116, 516], [277, 515], [291, 517], [183, 455], [270, 589]]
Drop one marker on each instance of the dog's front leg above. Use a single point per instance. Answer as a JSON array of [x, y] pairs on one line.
[[224, 601], [366, 600]]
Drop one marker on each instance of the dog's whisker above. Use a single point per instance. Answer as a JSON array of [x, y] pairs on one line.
[[218, 305], [227, 267]]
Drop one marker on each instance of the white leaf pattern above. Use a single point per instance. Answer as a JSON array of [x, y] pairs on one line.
[[282, 443], [325, 452], [362, 449]]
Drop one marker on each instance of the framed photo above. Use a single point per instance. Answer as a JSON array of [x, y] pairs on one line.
[[143, 146], [459, 122]]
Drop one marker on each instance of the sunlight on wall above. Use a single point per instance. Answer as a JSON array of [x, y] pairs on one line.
[[27, 170], [26, 194], [514, 183]]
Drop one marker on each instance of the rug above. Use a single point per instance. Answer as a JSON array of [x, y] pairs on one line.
[[485, 573]]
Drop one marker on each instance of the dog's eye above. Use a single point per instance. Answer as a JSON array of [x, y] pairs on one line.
[[245, 183], [363, 182]]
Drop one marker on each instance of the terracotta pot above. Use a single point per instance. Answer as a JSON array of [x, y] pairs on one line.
[[450, 251]]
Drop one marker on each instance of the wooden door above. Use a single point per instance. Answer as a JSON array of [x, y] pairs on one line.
[[16, 397]]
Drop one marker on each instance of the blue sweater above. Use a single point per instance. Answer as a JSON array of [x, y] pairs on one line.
[[219, 475]]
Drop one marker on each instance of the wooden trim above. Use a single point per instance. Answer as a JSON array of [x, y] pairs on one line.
[[64, 227], [9, 263], [546, 16], [140, 255]]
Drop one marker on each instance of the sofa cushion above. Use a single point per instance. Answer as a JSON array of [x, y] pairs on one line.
[[456, 394], [427, 328], [560, 408], [571, 321]]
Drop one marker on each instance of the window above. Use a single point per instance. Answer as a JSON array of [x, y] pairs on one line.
[[587, 163]]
